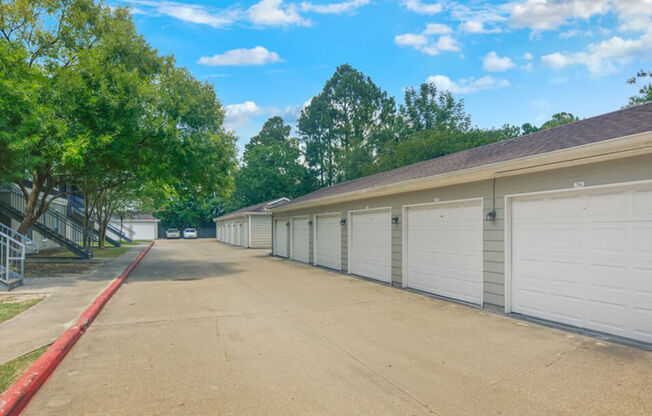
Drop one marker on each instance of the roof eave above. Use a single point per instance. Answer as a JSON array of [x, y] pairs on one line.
[[239, 214], [615, 148]]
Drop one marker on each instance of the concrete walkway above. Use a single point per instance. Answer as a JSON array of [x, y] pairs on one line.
[[205, 329], [66, 298]]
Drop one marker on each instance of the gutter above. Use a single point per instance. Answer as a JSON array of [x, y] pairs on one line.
[[620, 147]]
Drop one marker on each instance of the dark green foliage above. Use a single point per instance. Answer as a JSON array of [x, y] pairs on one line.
[[271, 167], [558, 119], [346, 125], [429, 144], [645, 90]]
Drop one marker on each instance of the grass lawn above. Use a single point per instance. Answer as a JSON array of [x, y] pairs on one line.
[[11, 306], [110, 252], [12, 370], [57, 252]]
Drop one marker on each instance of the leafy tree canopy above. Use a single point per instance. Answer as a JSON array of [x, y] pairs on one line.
[[271, 167], [558, 119], [346, 124], [432, 109], [645, 87]]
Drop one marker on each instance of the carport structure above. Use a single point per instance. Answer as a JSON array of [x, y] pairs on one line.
[[555, 225]]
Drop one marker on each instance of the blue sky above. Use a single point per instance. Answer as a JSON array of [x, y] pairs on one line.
[[512, 62]]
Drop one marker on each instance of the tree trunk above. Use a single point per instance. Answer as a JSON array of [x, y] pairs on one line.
[[32, 209]]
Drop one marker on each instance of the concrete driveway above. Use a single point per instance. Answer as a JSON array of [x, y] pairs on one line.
[[206, 329]]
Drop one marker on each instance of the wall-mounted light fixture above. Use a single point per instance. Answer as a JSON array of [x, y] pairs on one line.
[[343, 221], [287, 224], [310, 222], [491, 215], [395, 220]]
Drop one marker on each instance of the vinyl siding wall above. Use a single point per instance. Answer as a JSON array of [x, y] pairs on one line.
[[622, 170]]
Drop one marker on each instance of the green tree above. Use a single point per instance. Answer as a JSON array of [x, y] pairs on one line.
[[96, 107], [432, 109], [271, 167], [346, 125], [43, 39], [430, 144], [528, 128], [192, 210], [558, 119], [645, 90]]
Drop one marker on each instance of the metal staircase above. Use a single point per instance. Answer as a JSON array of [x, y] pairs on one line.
[[113, 234], [12, 257], [59, 227]]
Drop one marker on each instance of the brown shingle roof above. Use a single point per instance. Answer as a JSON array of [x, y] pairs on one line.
[[262, 207], [625, 122]]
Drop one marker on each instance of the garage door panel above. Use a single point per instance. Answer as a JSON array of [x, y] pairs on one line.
[[641, 323], [329, 242], [443, 250], [280, 238], [593, 270], [371, 244], [642, 204], [642, 238], [300, 239]]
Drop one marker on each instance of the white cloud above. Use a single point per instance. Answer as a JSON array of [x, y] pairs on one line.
[[334, 8], [479, 18], [541, 15], [634, 14], [241, 57], [467, 85], [604, 57], [494, 63], [192, 13], [437, 29], [422, 8], [243, 114], [275, 13], [424, 43], [411, 39], [447, 43], [238, 115], [528, 56], [571, 33], [528, 66], [477, 26]]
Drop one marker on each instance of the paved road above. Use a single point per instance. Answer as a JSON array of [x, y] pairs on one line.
[[205, 329]]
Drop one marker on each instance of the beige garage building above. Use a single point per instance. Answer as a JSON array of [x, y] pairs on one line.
[[249, 227], [555, 225]]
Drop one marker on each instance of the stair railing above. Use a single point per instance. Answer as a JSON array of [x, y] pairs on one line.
[[53, 220], [12, 260]]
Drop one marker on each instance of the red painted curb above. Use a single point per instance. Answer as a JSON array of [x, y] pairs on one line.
[[21, 392]]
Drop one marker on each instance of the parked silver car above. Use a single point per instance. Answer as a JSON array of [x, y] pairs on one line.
[[189, 233], [172, 233]]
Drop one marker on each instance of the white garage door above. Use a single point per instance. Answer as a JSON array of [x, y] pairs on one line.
[[245, 234], [300, 239], [443, 249], [584, 258], [231, 233], [370, 244], [238, 234], [144, 230], [328, 241], [280, 238]]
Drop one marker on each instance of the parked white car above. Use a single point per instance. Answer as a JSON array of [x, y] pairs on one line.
[[173, 233], [189, 233]]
